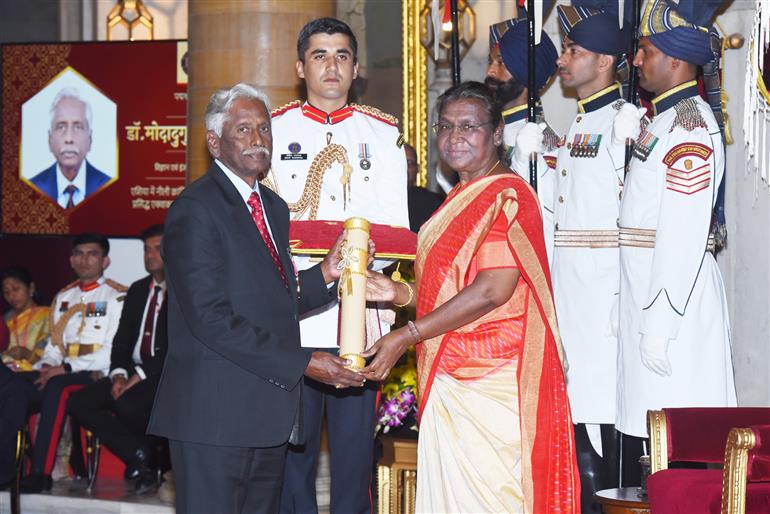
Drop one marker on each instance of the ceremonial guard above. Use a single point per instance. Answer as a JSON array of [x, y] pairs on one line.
[[585, 274], [508, 75], [333, 160], [84, 319], [674, 328]]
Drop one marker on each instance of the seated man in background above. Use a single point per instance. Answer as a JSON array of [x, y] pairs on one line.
[[136, 361], [83, 323], [422, 202]]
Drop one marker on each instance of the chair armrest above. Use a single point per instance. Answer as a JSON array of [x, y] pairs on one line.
[[734, 477], [656, 427]]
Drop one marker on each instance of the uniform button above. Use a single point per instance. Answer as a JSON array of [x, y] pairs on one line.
[[561, 199], [569, 146], [578, 119], [293, 175], [333, 198], [366, 179], [563, 173]]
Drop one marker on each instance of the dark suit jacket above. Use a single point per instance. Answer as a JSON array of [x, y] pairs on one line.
[[123, 344], [422, 204], [46, 181], [234, 362]]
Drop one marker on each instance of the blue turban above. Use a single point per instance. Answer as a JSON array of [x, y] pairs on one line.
[[683, 31], [514, 50], [594, 29]]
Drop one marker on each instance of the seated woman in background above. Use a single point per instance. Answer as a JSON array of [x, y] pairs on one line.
[[27, 322], [495, 427]]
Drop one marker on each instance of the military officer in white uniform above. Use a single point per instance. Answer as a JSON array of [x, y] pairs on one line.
[[84, 319], [333, 160], [674, 328], [508, 76], [589, 181]]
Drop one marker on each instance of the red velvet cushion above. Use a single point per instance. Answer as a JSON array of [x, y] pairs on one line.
[[685, 491], [758, 498], [700, 434], [759, 457], [316, 237]]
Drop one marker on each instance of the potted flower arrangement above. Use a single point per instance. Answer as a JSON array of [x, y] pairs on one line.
[[397, 411]]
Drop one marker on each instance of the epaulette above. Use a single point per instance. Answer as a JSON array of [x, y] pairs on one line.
[[287, 107], [115, 285], [688, 116], [375, 113], [551, 139], [618, 104], [70, 285]]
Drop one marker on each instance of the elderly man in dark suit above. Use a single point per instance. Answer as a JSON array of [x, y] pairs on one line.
[[229, 396], [138, 350], [71, 179]]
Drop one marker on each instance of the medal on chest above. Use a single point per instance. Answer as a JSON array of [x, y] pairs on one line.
[[364, 155], [644, 145], [585, 145]]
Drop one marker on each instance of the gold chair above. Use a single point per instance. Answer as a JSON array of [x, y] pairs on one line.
[[397, 476]]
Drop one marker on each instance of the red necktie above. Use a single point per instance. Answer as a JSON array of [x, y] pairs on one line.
[[145, 351], [258, 215], [71, 190]]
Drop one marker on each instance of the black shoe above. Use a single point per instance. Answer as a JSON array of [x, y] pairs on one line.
[[147, 482], [137, 465], [34, 484]]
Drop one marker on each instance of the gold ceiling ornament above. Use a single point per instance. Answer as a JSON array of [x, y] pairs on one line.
[[415, 85], [131, 14], [436, 28]]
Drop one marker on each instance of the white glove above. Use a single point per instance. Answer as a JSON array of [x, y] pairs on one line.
[[654, 350], [529, 140], [627, 123]]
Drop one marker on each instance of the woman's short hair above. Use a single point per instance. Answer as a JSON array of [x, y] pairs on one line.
[[472, 90]]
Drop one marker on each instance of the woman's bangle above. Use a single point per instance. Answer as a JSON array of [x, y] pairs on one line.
[[411, 294], [413, 331]]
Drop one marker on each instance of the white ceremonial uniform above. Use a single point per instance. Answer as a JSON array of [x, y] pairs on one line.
[[515, 119], [94, 313], [670, 283], [589, 179], [377, 185]]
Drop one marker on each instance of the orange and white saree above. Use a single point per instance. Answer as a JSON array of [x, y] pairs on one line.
[[495, 427]]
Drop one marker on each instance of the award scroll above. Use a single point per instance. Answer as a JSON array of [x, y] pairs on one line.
[[354, 258]]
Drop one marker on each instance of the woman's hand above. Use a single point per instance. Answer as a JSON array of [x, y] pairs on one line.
[[386, 353], [380, 287]]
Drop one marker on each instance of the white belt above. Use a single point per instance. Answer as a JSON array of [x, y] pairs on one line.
[[586, 238], [645, 238]]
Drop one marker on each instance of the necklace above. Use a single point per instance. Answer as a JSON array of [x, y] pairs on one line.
[[490, 169]]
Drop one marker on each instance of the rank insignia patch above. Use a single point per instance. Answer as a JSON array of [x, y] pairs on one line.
[[688, 168]]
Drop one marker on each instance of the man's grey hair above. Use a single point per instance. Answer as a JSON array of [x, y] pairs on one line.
[[221, 101], [72, 93]]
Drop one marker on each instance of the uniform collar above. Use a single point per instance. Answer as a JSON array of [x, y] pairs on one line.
[[673, 96], [324, 118], [84, 288], [599, 99], [515, 114]]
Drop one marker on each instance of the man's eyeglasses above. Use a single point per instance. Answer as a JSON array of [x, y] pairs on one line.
[[444, 128]]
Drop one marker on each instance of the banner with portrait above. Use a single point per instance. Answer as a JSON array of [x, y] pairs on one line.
[[94, 136]]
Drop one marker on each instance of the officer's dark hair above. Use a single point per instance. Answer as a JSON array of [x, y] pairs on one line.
[[472, 90], [92, 237], [152, 231], [325, 26]]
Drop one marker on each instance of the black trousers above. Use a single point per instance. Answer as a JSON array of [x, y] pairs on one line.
[[350, 414], [227, 479], [48, 403], [13, 414], [120, 424]]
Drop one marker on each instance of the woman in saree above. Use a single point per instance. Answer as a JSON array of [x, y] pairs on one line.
[[27, 321], [495, 427]]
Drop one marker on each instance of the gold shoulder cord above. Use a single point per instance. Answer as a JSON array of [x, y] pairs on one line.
[[311, 194], [57, 330]]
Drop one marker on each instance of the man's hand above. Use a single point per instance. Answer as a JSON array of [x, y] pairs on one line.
[[387, 351], [529, 140], [330, 264], [330, 369], [654, 351], [47, 373], [627, 124], [380, 287], [119, 383], [135, 379]]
